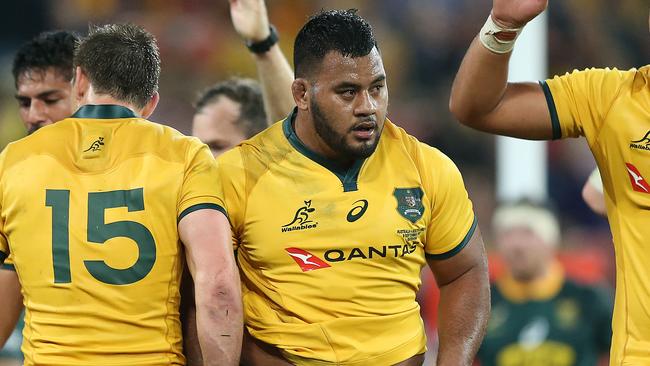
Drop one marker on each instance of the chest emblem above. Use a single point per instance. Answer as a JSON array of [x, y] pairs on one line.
[[301, 219], [409, 203]]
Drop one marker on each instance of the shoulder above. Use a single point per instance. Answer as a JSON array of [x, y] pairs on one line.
[[261, 149], [420, 152]]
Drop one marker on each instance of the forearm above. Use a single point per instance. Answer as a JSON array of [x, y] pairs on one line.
[[11, 303], [464, 310], [275, 76], [480, 84], [219, 322]]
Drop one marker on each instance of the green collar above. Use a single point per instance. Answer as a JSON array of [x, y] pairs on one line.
[[348, 175], [104, 111]]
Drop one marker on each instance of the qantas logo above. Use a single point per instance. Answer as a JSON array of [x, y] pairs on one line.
[[309, 262], [306, 261], [639, 184]]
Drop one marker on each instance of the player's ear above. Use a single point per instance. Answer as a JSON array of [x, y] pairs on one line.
[[80, 85], [148, 109], [299, 89]]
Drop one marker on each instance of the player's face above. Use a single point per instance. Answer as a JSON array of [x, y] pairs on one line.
[[43, 98], [525, 253], [216, 125], [348, 104]]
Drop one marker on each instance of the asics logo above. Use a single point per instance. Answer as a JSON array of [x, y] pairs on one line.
[[358, 210]]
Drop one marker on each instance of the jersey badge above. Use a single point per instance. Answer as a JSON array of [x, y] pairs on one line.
[[409, 203]]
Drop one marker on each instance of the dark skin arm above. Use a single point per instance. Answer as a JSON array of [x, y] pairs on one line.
[[464, 305], [481, 96]]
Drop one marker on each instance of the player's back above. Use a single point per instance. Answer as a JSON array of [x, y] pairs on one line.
[[89, 207]]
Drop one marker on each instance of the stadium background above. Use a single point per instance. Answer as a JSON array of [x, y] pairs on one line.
[[422, 43]]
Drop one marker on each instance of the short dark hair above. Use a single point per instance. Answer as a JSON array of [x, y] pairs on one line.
[[334, 30], [47, 50], [121, 60], [246, 92]]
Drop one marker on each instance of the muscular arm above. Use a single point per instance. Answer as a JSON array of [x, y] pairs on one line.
[[464, 306], [250, 19], [191, 346], [11, 303], [275, 77], [482, 98], [219, 319]]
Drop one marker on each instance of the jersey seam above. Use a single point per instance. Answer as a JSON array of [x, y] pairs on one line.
[[606, 114], [329, 341]]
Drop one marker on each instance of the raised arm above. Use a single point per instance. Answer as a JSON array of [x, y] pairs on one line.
[[251, 21], [481, 96], [464, 306], [219, 320]]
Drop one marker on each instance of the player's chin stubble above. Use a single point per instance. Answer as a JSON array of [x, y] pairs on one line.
[[337, 141]]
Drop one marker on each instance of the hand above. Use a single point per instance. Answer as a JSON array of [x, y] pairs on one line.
[[516, 13], [250, 19]]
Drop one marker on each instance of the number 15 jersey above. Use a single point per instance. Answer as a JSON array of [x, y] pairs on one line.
[[88, 210]]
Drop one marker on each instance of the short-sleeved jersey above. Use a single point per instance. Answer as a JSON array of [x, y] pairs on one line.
[[552, 321], [330, 256], [88, 210], [611, 108]]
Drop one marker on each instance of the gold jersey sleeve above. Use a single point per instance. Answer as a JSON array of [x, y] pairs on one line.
[[579, 101], [201, 187], [452, 218]]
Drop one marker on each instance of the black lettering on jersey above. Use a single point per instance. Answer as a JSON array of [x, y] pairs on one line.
[[357, 253], [334, 255], [381, 253]]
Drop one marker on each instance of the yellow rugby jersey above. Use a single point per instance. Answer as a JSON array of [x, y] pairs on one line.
[[611, 108], [330, 258], [88, 210]]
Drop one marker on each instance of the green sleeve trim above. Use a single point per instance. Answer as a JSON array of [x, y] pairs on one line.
[[8, 267], [555, 121], [201, 206], [3, 256], [458, 247]]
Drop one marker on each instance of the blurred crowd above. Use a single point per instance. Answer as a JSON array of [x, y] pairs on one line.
[[422, 42]]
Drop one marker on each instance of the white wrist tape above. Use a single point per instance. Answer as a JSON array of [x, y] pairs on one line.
[[489, 32]]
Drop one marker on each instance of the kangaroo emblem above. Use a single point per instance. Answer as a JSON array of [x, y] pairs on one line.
[[302, 215], [96, 145]]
